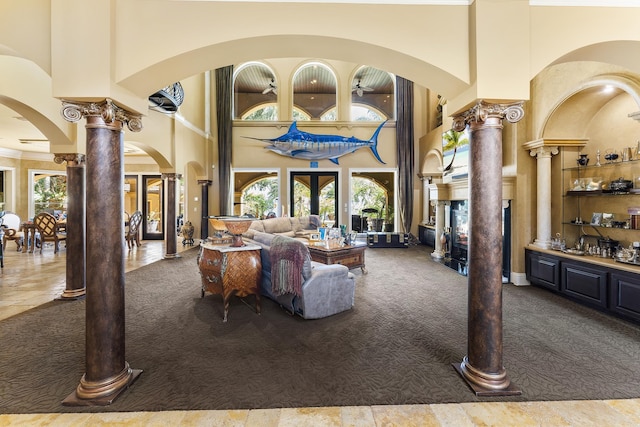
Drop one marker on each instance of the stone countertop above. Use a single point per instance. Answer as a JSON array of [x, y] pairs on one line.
[[604, 262], [226, 248]]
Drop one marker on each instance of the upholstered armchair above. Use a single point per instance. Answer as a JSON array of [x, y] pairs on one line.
[[12, 230]]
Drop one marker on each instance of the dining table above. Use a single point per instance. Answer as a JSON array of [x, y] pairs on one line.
[[30, 230]]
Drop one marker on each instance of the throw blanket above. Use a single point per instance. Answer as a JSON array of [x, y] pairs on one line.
[[287, 257]]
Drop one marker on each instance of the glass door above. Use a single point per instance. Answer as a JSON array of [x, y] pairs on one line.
[[314, 193], [130, 194], [152, 207]]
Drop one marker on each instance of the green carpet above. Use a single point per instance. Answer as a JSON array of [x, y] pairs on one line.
[[395, 347]]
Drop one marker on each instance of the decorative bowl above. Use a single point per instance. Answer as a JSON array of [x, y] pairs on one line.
[[236, 227]]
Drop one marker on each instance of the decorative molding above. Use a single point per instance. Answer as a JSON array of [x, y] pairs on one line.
[[483, 110], [73, 111], [557, 142], [72, 159], [545, 151], [171, 176]]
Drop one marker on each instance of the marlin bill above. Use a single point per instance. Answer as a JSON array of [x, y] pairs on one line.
[[310, 146]]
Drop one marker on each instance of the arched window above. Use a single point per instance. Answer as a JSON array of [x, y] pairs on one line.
[[372, 95], [255, 93], [314, 92], [260, 199]]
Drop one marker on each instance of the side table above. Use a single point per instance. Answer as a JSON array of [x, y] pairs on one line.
[[227, 271], [351, 255]]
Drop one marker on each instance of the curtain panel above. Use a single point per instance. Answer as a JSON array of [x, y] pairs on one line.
[[405, 150], [224, 92]]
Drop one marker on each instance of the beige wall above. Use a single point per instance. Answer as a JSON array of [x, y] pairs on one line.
[[491, 50]]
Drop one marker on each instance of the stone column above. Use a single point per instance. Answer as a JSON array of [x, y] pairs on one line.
[[76, 255], [426, 180], [107, 372], [204, 223], [439, 249], [171, 249], [543, 210], [482, 367]]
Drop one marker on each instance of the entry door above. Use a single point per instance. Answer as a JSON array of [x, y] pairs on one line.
[[152, 207], [314, 193]]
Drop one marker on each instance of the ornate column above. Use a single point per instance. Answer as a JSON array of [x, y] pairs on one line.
[[543, 150], [204, 223], [482, 366], [543, 208], [107, 372], [439, 249], [75, 274], [171, 249]]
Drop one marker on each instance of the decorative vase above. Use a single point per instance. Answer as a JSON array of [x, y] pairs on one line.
[[583, 160], [187, 233]]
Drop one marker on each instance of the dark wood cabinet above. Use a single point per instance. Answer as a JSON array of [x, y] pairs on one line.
[[607, 288], [427, 235], [624, 295], [584, 283], [543, 270]]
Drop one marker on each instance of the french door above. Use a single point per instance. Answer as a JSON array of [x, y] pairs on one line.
[[314, 193], [152, 207]]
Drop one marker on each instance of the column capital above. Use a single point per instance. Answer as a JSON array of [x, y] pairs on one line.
[[171, 176], [483, 110], [543, 152], [73, 111], [72, 159], [204, 181]]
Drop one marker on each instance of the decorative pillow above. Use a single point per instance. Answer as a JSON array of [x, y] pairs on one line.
[[314, 222]]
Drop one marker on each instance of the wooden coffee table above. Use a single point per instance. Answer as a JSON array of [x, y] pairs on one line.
[[351, 256]]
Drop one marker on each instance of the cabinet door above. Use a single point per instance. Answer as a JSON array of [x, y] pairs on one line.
[[625, 295], [543, 270], [585, 284]]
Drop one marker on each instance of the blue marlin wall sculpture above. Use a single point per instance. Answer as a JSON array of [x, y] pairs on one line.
[[311, 146]]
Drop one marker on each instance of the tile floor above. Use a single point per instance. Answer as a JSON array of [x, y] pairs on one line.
[[28, 280]]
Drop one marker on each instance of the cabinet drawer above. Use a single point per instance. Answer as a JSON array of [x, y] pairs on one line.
[[584, 283], [625, 295], [544, 271]]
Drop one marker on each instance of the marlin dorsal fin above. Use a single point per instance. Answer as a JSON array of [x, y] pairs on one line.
[[293, 127]]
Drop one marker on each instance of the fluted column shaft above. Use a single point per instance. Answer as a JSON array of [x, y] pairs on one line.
[[543, 209], [107, 373], [425, 198], [75, 243], [439, 250], [482, 367], [171, 245]]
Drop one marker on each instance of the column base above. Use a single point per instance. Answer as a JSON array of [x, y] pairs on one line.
[[72, 294], [103, 393], [437, 254], [171, 256], [544, 244], [486, 384]]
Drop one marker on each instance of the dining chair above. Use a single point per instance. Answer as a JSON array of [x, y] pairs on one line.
[[11, 225], [132, 234], [47, 227]]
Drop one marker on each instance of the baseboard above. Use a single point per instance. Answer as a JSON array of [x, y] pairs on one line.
[[519, 279]]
